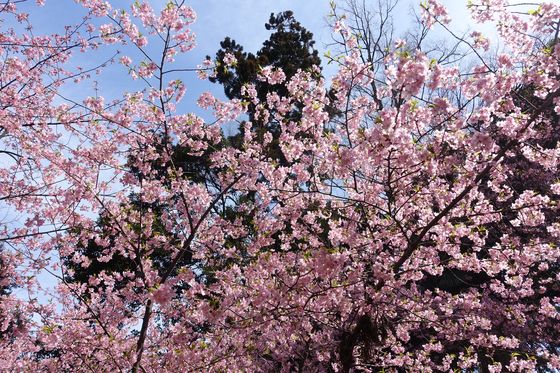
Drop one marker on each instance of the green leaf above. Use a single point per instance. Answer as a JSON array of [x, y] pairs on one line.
[[535, 12]]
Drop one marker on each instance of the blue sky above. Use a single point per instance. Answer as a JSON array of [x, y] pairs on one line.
[[243, 20]]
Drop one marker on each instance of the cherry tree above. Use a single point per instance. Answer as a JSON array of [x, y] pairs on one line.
[[399, 176]]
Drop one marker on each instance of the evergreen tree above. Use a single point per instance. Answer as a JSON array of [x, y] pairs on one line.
[[290, 48]]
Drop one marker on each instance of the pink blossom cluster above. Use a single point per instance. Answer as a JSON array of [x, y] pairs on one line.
[[408, 221]]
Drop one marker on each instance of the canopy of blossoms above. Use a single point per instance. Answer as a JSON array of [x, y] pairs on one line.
[[412, 224]]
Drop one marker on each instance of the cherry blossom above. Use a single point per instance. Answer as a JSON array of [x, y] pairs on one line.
[[410, 223]]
